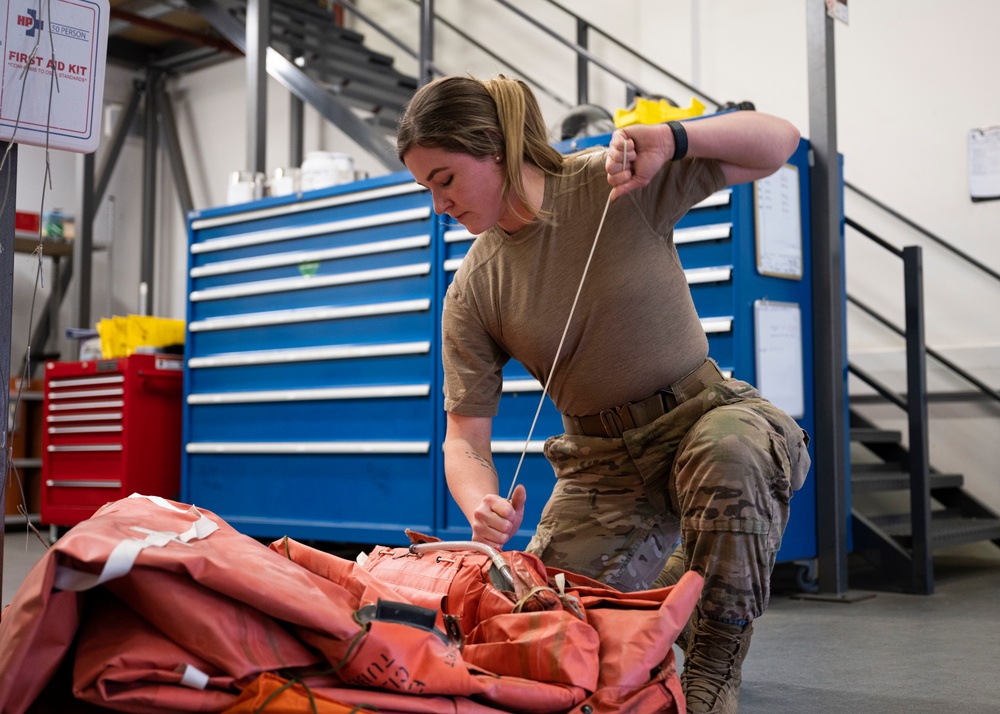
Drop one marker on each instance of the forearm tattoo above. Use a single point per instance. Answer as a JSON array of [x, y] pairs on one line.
[[484, 462]]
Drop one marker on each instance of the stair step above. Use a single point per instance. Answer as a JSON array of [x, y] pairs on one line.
[[876, 436], [315, 39], [865, 479], [309, 13], [357, 81], [948, 528], [336, 58]]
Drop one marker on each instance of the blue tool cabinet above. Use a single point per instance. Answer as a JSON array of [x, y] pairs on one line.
[[313, 400]]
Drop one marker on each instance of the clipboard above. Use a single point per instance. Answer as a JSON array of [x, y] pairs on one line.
[[778, 224], [778, 346]]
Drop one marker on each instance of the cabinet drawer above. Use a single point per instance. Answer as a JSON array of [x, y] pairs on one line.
[[360, 497]]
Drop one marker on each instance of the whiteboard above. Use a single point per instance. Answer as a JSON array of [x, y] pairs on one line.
[[778, 337], [778, 224]]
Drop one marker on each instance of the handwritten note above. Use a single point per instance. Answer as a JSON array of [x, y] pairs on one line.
[[778, 337], [778, 222]]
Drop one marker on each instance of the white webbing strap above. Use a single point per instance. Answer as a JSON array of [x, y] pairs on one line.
[[123, 556]]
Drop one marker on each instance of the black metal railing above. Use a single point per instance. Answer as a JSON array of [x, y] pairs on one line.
[[923, 231], [984, 389], [915, 400], [914, 404], [585, 59]]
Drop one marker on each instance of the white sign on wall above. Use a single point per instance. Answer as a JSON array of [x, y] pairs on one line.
[[52, 79]]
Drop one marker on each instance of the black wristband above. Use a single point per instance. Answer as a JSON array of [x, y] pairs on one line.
[[680, 140]]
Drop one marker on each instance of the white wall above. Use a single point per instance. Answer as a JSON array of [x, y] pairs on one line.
[[912, 80]]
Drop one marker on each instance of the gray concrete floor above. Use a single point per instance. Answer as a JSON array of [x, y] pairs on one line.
[[891, 653]]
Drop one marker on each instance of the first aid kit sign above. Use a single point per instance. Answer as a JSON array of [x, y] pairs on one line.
[[54, 56]]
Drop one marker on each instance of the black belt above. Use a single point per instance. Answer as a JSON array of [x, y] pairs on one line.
[[616, 420]]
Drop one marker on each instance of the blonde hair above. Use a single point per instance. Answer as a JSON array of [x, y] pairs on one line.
[[495, 117]]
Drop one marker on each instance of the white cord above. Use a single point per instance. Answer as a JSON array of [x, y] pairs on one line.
[[579, 289]]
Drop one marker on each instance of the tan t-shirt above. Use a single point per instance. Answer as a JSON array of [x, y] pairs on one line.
[[635, 329]]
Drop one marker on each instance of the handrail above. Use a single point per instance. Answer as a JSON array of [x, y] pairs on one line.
[[920, 229], [523, 75], [580, 51], [915, 406], [873, 237], [414, 54], [916, 417], [968, 377], [620, 45], [884, 391], [981, 386], [352, 8]]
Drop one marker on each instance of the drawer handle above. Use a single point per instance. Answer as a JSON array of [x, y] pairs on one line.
[[86, 381], [86, 393], [60, 483], [85, 429], [87, 447]]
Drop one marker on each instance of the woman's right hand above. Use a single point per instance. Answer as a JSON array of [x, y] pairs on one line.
[[496, 519]]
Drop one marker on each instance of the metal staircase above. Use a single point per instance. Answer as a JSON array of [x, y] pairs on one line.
[[900, 542], [325, 65], [886, 540]]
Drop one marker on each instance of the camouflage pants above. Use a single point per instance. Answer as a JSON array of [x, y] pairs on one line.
[[716, 473]]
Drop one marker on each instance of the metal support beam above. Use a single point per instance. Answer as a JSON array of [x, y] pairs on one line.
[[83, 244], [150, 148], [916, 409], [829, 307], [582, 65], [48, 316], [258, 36], [8, 182], [118, 141], [296, 130], [426, 41], [174, 153]]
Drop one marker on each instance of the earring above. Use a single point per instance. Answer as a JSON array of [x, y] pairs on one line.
[[497, 157]]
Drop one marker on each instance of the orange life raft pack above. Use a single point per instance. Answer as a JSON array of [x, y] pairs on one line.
[[156, 606]]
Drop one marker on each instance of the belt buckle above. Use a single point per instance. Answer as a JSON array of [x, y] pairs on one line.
[[669, 400], [611, 420]]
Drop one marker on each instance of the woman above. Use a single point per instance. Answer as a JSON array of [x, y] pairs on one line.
[[658, 446]]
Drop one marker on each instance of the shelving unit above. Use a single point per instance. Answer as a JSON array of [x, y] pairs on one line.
[[28, 243], [24, 431]]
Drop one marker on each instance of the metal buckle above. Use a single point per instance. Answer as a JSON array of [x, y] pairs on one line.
[[611, 420]]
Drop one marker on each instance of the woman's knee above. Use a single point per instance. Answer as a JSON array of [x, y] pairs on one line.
[[727, 475]]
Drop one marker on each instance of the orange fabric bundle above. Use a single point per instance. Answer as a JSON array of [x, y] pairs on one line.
[[154, 606], [271, 693]]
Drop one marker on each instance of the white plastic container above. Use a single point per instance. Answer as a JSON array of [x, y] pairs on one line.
[[244, 186], [284, 182], [326, 168]]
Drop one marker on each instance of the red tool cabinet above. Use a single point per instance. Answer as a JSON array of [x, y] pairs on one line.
[[112, 428]]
